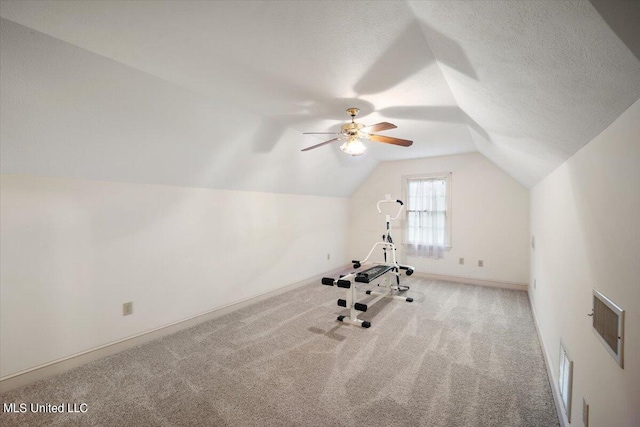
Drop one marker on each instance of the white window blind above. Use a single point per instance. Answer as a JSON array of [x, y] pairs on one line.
[[427, 232]]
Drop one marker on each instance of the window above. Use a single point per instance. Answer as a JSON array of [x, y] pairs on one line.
[[428, 223]]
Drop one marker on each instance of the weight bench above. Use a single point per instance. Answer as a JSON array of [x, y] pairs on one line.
[[388, 270], [370, 275]]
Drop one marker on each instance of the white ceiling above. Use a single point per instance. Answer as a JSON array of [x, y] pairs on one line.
[[216, 94]]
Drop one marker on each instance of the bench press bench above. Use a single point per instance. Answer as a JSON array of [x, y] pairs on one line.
[[387, 271], [369, 275]]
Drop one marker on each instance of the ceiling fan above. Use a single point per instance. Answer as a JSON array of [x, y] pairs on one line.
[[352, 133]]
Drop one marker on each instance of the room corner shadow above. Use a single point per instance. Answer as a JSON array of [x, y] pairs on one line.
[[411, 52], [448, 51], [404, 57], [623, 18]]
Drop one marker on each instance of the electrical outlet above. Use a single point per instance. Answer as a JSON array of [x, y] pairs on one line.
[[585, 412], [328, 257], [480, 263], [461, 261], [127, 308]]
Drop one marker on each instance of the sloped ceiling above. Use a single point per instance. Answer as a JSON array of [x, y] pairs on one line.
[[216, 94]]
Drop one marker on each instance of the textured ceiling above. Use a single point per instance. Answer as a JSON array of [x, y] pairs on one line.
[[216, 94]]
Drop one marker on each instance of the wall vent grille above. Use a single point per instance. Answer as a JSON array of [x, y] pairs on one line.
[[608, 325], [565, 380]]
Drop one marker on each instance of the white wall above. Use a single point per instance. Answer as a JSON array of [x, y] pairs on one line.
[[585, 217], [72, 251], [490, 217], [68, 112]]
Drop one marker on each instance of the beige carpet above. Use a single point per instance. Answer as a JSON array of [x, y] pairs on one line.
[[459, 355]]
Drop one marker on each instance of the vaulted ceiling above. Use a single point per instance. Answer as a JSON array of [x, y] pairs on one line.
[[217, 93]]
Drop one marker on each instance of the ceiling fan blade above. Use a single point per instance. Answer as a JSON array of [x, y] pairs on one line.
[[319, 145], [321, 133], [378, 127], [390, 140]]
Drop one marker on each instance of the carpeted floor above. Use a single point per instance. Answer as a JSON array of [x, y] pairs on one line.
[[459, 355]]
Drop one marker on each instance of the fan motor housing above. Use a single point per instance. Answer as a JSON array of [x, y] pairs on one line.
[[352, 128]]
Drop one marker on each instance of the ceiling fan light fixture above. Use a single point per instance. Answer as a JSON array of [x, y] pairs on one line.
[[354, 133], [353, 146]]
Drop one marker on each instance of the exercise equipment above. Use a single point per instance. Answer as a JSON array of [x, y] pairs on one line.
[[387, 272]]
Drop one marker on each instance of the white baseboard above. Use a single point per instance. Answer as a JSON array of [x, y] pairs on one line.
[[474, 281], [547, 361], [46, 370]]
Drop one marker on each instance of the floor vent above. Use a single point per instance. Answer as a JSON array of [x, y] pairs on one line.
[[608, 325], [565, 380]]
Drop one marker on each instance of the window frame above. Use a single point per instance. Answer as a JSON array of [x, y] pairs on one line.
[[448, 177]]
